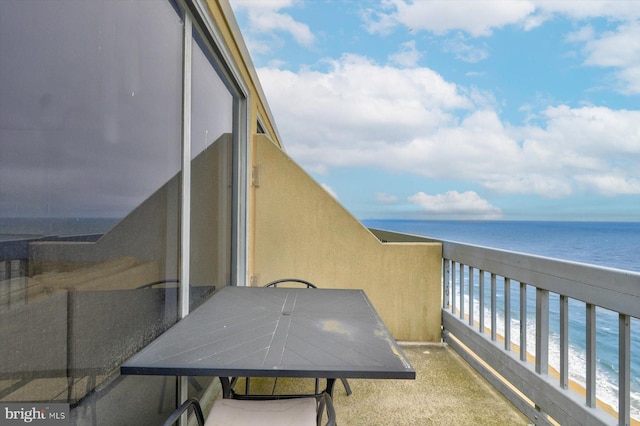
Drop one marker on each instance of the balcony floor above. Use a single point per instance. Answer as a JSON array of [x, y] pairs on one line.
[[447, 391]]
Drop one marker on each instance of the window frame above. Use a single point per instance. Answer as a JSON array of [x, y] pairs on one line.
[[198, 18]]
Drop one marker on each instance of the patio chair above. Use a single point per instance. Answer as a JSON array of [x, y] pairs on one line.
[[303, 411], [290, 280], [275, 283]]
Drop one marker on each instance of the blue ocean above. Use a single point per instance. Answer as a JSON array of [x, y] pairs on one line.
[[12, 229], [609, 244]]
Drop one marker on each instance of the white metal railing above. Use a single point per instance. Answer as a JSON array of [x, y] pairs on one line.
[[538, 393]]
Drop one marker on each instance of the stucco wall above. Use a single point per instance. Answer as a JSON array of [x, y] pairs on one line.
[[299, 230]]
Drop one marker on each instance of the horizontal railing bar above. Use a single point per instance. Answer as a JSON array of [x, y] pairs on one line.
[[613, 289], [512, 396], [564, 406]]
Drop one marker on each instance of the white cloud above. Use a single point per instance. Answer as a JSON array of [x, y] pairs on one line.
[[329, 190], [595, 131], [378, 21], [475, 74], [256, 45], [584, 34], [465, 51], [619, 49], [265, 17], [357, 104], [410, 120], [621, 10], [406, 118], [385, 198], [266, 4], [273, 21], [477, 17], [611, 184], [454, 204], [481, 17], [630, 79], [407, 56]]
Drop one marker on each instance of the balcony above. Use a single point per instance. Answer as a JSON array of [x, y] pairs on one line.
[[447, 391], [513, 368], [506, 313], [504, 316]]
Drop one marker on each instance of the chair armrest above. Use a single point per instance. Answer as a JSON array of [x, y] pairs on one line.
[[184, 407], [295, 280], [326, 403]]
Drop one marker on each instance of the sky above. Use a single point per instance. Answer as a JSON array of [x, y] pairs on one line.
[[89, 126], [457, 110]]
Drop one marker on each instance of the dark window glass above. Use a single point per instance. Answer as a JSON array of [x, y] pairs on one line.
[[211, 175], [90, 154]]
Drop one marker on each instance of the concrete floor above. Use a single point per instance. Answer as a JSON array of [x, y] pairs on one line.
[[447, 391]]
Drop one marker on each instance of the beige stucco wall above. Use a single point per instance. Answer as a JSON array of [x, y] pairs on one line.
[[299, 230], [296, 229]]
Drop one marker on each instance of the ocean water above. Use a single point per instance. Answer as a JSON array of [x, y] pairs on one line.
[[12, 229], [609, 244]]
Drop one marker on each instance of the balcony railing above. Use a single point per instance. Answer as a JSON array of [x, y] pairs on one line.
[[483, 288]]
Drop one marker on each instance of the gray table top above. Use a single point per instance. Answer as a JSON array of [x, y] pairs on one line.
[[277, 332]]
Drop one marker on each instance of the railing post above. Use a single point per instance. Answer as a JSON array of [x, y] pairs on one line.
[[542, 331], [523, 321], [564, 342], [507, 314], [591, 355], [453, 287], [494, 314], [471, 300], [553, 277], [462, 291], [446, 264], [481, 299], [624, 366]]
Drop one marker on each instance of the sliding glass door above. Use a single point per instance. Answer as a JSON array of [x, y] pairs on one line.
[[93, 210]]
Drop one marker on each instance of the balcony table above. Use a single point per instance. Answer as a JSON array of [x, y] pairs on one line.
[[277, 332]]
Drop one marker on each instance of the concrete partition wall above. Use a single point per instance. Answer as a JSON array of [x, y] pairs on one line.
[[299, 230]]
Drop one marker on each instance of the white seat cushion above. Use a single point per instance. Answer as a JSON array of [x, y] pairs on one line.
[[282, 412]]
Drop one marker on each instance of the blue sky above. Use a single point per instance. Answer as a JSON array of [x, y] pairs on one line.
[[514, 110]]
